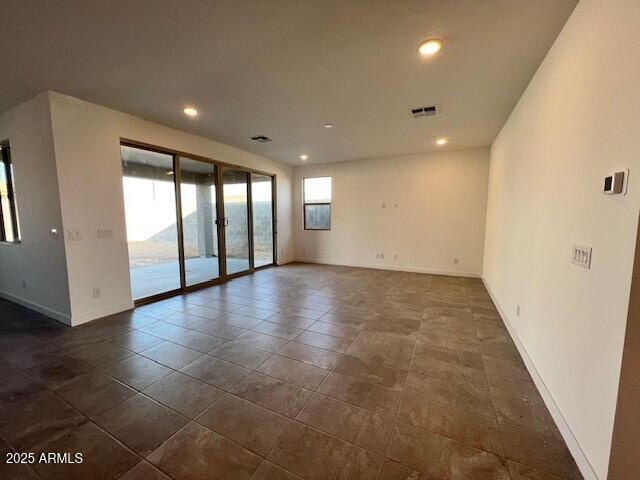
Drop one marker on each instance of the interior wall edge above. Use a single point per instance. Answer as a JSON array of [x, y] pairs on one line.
[[61, 317], [63, 224], [399, 156], [423, 212], [399, 268], [623, 459], [284, 262], [87, 138], [571, 440], [33, 272], [79, 319]]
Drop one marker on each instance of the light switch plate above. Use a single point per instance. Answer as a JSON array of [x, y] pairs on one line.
[[105, 233], [74, 235], [581, 256]]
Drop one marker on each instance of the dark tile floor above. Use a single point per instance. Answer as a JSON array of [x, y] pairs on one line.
[[300, 371]]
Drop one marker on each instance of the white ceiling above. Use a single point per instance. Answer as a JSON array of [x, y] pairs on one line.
[[283, 68]]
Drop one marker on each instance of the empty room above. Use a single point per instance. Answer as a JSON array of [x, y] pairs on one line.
[[320, 239]]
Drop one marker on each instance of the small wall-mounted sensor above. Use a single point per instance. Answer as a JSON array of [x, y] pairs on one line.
[[614, 184]]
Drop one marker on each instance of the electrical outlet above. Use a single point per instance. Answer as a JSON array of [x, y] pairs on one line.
[[518, 310], [581, 256], [107, 233], [97, 293], [395, 257], [382, 255], [384, 205], [24, 284], [456, 260]]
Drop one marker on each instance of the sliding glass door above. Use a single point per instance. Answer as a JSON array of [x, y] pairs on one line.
[[236, 220], [262, 215], [193, 222], [152, 235], [198, 202]]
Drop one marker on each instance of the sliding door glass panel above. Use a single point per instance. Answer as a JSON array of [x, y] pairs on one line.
[[199, 231], [236, 212], [150, 207], [262, 207]]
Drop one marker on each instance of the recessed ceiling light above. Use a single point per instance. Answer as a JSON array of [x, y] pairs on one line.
[[442, 141], [303, 157], [328, 125], [430, 47], [190, 111]]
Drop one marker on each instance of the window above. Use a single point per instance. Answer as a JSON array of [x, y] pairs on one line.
[[317, 203], [9, 228]]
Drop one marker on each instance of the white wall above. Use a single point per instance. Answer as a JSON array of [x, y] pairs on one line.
[[87, 146], [440, 213], [578, 120], [39, 260]]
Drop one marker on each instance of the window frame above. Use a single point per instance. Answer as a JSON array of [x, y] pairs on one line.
[[305, 203], [5, 163]]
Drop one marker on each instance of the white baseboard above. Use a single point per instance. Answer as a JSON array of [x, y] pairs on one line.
[[71, 320], [398, 268], [79, 319], [61, 317], [579, 456]]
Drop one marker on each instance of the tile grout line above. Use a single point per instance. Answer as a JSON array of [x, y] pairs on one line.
[[226, 341], [404, 388], [86, 418], [295, 419], [12, 447], [313, 393], [265, 458], [493, 404]]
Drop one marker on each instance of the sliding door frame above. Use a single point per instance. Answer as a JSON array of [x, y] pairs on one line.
[[177, 181], [249, 221], [219, 237], [274, 230], [221, 234]]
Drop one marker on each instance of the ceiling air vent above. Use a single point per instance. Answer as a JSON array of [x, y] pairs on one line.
[[261, 139], [428, 111]]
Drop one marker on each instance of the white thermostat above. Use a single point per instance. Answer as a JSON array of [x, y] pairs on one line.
[[614, 184]]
